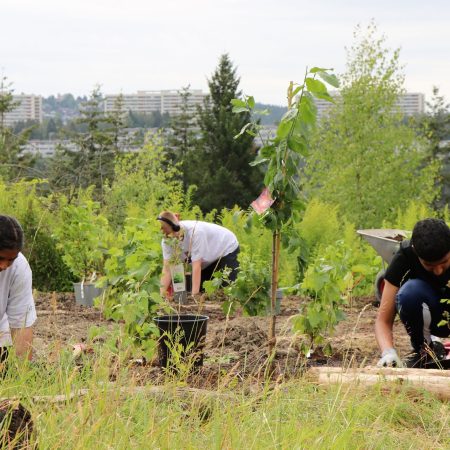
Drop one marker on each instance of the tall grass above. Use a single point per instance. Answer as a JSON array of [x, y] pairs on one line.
[[296, 414]]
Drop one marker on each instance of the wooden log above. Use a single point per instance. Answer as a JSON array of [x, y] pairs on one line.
[[435, 381]]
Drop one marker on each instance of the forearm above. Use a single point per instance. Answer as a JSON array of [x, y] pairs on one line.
[[23, 341], [196, 276], [384, 335], [165, 281]]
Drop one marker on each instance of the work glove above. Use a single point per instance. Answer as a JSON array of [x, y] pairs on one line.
[[389, 358]]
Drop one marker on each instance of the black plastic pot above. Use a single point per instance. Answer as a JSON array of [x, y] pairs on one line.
[[185, 330]]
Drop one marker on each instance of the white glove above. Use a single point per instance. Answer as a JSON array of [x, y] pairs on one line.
[[389, 358]]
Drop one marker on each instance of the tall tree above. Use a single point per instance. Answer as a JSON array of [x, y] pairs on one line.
[[219, 166], [183, 133], [366, 159], [13, 163], [90, 159], [436, 126]]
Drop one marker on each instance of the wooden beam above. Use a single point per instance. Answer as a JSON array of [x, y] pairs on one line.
[[435, 381]]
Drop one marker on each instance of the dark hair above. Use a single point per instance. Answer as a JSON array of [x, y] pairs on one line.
[[431, 239], [11, 234]]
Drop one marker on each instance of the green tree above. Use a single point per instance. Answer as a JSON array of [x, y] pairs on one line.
[[91, 159], [436, 126], [219, 166], [13, 163], [365, 159], [183, 133]]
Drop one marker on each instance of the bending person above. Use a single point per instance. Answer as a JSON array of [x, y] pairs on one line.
[[415, 282], [207, 246]]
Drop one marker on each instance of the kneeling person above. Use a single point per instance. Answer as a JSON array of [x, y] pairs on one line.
[[17, 310], [415, 282]]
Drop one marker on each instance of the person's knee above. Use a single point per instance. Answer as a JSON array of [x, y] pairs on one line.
[[413, 293]]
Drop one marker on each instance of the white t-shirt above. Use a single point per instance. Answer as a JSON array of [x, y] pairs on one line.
[[203, 241], [17, 308]]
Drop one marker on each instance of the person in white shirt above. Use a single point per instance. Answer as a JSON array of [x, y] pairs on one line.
[[17, 309], [207, 246]]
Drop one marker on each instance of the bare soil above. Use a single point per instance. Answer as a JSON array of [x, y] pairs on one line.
[[235, 347]]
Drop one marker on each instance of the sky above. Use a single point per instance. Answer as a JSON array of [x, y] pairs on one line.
[[58, 46]]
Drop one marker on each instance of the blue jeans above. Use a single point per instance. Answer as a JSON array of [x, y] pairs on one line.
[[420, 309]]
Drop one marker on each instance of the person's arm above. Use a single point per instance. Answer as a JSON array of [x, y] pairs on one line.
[[196, 276], [166, 279], [385, 318], [383, 327], [23, 342]]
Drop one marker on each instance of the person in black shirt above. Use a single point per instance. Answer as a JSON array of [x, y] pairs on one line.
[[416, 281]]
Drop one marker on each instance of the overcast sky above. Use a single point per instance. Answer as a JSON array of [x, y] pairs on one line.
[[57, 46]]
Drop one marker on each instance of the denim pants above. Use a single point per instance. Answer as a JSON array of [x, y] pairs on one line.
[[420, 309]]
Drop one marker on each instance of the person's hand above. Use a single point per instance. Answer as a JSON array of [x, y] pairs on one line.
[[389, 358]]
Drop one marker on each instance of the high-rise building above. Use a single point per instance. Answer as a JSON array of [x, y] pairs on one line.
[[29, 107], [145, 102], [410, 104]]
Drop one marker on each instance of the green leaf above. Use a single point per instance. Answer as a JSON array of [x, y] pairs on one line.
[[289, 115], [318, 69], [442, 323], [251, 102], [324, 96], [315, 85], [362, 269], [283, 129], [314, 317], [243, 130], [297, 90], [298, 145], [258, 160], [329, 78], [238, 102], [240, 109]]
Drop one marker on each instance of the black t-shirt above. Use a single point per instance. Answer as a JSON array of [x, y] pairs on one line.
[[406, 265]]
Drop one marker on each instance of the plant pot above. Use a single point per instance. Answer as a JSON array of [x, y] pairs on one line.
[[182, 339], [85, 293]]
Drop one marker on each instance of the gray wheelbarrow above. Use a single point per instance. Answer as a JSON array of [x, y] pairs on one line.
[[386, 243]]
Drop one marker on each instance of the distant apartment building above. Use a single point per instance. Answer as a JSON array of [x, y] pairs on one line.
[[145, 102], [410, 104], [29, 107], [46, 148]]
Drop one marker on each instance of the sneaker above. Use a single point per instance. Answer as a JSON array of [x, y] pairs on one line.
[[429, 357]]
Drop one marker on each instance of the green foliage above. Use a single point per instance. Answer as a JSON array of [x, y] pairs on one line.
[[409, 215], [364, 158], [13, 164], [329, 282], [283, 156], [132, 272], [251, 290], [91, 163], [143, 181], [22, 201], [182, 139], [82, 234], [320, 224], [219, 166]]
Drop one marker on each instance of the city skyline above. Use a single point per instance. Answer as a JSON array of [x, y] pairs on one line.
[[50, 47]]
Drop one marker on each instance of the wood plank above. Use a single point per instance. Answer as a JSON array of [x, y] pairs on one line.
[[434, 381]]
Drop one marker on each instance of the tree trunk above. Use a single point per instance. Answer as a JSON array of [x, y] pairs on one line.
[[275, 261]]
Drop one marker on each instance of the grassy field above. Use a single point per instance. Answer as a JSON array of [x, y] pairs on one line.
[[295, 414]]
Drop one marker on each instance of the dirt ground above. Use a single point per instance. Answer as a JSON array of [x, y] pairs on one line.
[[236, 345]]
